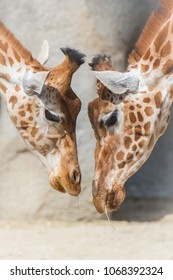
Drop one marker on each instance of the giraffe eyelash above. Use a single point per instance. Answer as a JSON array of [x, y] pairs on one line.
[[51, 116]]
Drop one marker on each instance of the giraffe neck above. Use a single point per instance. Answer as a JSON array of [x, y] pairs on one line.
[[156, 71], [15, 60], [156, 64]]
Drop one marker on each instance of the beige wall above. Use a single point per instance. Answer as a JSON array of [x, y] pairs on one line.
[[93, 26]]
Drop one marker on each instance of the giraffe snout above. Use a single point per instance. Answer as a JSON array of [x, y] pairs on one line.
[[108, 200]]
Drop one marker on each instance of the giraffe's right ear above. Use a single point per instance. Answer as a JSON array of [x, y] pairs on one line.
[[33, 81], [118, 82]]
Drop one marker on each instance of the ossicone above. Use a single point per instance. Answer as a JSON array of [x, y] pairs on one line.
[[74, 58], [101, 62]]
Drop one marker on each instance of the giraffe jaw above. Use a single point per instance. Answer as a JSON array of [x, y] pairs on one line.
[[71, 189], [56, 184], [105, 200]]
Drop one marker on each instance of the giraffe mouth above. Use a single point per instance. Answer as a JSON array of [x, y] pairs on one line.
[[105, 200], [71, 189]]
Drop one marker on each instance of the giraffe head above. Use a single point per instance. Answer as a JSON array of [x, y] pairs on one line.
[[43, 107], [46, 119], [132, 110], [124, 119]]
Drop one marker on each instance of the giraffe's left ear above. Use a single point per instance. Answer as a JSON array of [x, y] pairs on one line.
[[33, 81], [118, 82], [44, 53]]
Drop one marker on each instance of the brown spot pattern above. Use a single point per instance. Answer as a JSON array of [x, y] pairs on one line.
[[156, 63], [29, 108], [140, 117], [129, 156], [4, 89], [134, 148], [145, 68], [132, 108], [2, 59], [6, 76], [141, 144], [120, 155], [127, 142], [166, 49], [24, 124], [13, 101], [41, 136], [147, 128], [17, 57], [147, 55], [147, 100], [11, 61], [132, 117], [158, 99], [168, 67], [138, 129], [34, 131], [22, 113], [121, 165], [149, 111], [17, 88], [30, 118]]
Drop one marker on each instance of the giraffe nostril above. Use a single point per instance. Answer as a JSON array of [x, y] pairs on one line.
[[76, 176]]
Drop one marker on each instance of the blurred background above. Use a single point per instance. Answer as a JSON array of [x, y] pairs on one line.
[[92, 26]]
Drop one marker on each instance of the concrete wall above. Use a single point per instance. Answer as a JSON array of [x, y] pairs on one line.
[[93, 26]]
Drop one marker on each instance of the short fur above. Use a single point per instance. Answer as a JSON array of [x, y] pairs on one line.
[[99, 59]]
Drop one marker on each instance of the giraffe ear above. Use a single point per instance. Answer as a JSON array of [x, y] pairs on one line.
[[118, 82], [33, 82], [44, 53]]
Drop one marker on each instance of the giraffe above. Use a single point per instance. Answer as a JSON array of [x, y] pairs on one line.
[[43, 107], [132, 109]]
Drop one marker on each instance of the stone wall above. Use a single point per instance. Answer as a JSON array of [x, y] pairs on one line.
[[93, 26]]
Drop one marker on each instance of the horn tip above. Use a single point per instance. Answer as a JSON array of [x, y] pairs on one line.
[[74, 55], [98, 60]]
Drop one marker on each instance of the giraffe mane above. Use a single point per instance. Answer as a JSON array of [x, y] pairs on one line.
[[16, 44], [155, 23]]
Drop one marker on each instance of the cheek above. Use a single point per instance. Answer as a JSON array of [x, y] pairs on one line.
[[54, 130], [37, 141], [54, 160]]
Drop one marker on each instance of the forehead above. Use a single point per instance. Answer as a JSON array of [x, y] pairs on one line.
[[67, 103], [98, 107]]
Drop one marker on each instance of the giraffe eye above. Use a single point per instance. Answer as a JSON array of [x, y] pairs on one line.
[[51, 117], [112, 119]]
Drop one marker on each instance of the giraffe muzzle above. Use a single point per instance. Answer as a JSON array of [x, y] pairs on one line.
[[108, 200], [70, 185]]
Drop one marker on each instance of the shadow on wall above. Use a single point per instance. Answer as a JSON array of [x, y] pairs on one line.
[[143, 210]]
